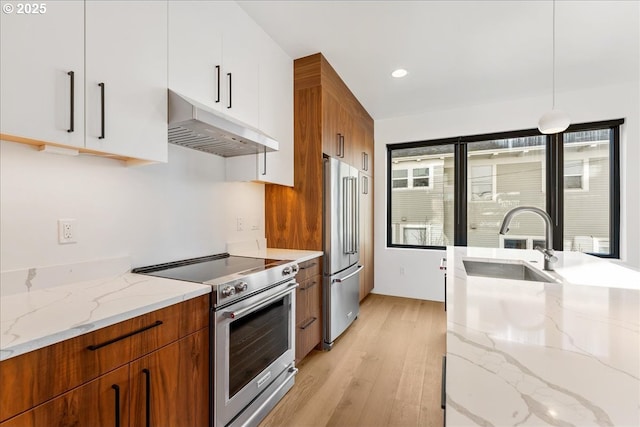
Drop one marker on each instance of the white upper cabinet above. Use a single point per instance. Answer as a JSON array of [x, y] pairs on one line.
[[276, 120], [120, 45], [38, 52], [195, 51], [213, 57], [126, 78], [276, 111]]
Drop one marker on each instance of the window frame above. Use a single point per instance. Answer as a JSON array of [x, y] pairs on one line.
[[553, 181]]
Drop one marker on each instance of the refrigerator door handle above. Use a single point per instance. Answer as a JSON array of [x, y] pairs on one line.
[[356, 228], [348, 276], [346, 222]]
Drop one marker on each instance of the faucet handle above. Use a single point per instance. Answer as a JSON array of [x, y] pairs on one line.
[[548, 254]]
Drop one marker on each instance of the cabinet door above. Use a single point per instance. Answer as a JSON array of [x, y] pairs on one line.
[[332, 134], [101, 402], [240, 60], [170, 387], [37, 52], [126, 50], [276, 111], [366, 235], [195, 51], [362, 147], [276, 120]]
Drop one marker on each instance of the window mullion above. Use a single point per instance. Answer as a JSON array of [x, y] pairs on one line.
[[555, 187], [460, 191]]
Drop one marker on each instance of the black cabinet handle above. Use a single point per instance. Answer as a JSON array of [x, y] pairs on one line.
[[265, 161], [101, 110], [106, 343], [72, 77], [229, 77], [443, 390], [311, 285], [309, 323], [147, 375], [340, 145], [218, 82], [117, 413]]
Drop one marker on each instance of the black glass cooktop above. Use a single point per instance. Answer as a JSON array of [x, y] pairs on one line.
[[207, 268]]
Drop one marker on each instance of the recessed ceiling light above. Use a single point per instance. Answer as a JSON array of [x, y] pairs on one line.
[[400, 72]]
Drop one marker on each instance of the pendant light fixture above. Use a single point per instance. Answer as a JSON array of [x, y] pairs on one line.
[[553, 121]]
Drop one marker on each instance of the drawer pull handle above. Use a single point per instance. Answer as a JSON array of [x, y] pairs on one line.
[[308, 266], [106, 343], [147, 376], [310, 286], [309, 323], [117, 390]]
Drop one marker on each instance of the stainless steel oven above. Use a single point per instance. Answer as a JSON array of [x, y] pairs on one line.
[[253, 306], [254, 355]]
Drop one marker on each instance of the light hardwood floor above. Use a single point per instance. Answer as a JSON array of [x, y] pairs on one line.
[[384, 371]]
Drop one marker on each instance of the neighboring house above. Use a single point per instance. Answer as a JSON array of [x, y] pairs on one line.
[[502, 174]]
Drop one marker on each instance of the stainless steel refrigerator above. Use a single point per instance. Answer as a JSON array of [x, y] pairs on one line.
[[341, 290]]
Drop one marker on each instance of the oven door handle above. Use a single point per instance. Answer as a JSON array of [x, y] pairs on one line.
[[257, 306]]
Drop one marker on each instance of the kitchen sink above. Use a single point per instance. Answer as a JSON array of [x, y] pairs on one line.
[[504, 269]]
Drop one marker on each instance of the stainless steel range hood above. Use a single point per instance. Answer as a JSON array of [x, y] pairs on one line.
[[194, 125]]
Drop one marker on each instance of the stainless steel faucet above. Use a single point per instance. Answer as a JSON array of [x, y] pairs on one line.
[[549, 257]]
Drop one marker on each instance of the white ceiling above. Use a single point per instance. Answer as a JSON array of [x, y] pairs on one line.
[[458, 53]]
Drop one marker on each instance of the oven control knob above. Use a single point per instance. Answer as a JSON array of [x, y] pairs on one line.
[[242, 286], [286, 271], [294, 268], [228, 291]]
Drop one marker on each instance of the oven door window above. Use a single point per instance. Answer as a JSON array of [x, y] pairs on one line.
[[255, 341]]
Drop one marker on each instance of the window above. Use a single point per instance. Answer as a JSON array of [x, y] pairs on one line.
[[574, 174], [481, 183], [587, 191], [400, 178], [504, 173], [456, 191], [421, 177], [421, 196]]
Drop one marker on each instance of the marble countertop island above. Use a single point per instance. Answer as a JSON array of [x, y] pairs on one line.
[[532, 353]]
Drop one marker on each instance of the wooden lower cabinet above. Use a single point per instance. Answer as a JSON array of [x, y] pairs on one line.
[[101, 402], [121, 375], [308, 307], [168, 385]]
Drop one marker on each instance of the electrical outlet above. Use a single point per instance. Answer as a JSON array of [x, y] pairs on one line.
[[239, 222], [66, 231]]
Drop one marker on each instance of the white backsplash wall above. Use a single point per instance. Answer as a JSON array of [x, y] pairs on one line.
[[154, 213]]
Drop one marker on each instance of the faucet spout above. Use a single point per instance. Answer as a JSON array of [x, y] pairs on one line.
[[549, 257]]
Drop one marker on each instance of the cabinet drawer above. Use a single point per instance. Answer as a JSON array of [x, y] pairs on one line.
[[30, 379], [309, 269], [309, 299], [101, 402], [308, 335]]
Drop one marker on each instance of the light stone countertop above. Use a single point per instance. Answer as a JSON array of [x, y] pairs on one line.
[[43, 306], [532, 353], [42, 315]]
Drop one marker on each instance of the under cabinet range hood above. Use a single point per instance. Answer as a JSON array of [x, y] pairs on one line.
[[194, 125]]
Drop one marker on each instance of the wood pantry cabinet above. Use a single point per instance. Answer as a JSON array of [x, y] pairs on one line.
[[324, 110], [155, 365], [308, 307], [44, 85]]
